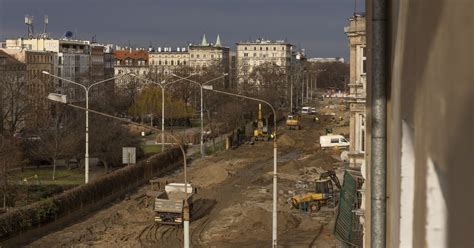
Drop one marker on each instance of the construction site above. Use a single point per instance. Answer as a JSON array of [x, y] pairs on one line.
[[232, 196]]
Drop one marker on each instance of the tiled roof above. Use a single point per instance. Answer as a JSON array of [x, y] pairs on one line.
[[134, 54]]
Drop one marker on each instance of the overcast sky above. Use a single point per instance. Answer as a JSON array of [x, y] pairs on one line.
[[316, 25]]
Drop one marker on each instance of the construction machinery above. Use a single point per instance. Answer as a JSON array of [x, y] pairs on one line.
[[169, 206], [323, 195], [261, 132], [293, 121]]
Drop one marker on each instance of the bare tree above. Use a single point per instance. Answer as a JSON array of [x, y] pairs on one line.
[[13, 100]]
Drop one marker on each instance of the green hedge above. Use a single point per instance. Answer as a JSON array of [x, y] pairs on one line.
[[75, 199]]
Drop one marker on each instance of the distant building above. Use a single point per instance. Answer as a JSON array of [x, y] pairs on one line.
[[326, 60], [357, 88], [251, 54], [131, 61], [73, 60], [166, 61]]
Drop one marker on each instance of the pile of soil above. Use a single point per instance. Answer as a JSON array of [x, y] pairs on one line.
[[285, 140], [212, 173], [241, 218]]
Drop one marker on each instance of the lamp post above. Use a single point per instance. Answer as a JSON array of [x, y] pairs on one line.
[[275, 175], [162, 85], [202, 113], [86, 90], [62, 99]]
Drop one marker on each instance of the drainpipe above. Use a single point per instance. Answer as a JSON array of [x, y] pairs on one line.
[[378, 121]]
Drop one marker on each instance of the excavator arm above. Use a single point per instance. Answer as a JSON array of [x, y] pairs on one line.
[[331, 174]]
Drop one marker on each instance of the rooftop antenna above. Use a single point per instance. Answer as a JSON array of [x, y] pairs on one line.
[[355, 7], [29, 25], [46, 21]]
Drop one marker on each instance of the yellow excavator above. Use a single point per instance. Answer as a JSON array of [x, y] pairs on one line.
[[293, 121], [261, 132], [324, 194]]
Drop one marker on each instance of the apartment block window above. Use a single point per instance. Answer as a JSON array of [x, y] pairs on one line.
[[266, 48], [166, 62], [274, 48], [363, 60], [246, 54], [159, 62], [255, 54], [245, 48], [261, 48], [192, 55], [255, 48], [204, 56], [197, 56], [60, 61], [212, 56], [184, 62]]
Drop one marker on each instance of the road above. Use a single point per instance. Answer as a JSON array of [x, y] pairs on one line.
[[232, 206]]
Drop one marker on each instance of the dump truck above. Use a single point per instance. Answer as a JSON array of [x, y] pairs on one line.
[[293, 121], [169, 205]]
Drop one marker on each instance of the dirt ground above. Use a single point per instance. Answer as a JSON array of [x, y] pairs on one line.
[[232, 207]]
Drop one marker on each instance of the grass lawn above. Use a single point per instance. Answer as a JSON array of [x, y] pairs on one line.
[[153, 149], [63, 176]]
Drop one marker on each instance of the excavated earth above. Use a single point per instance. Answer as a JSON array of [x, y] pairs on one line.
[[232, 207]]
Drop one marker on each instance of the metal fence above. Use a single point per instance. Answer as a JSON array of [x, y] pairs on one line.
[[348, 228]]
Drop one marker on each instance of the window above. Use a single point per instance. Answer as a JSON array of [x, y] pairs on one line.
[[283, 48], [255, 48], [261, 48], [255, 54], [266, 48], [172, 62], [60, 61], [245, 48], [197, 56], [246, 54], [166, 62], [335, 141], [192, 55], [274, 48], [159, 62], [364, 61], [212, 56], [184, 62]]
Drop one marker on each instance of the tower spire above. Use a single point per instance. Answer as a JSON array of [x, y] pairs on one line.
[[218, 41], [204, 41]]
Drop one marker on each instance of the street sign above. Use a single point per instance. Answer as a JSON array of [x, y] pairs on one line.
[[129, 155], [57, 97]]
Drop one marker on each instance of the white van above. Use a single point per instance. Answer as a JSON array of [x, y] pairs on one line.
[[306, 110], [333, 141]]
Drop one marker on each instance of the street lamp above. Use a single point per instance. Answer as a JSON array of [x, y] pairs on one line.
[[275, 175], [202, 115], [86, 89], [62, 99], [162, 85]]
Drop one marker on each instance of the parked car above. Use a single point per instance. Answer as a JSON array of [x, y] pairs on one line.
[[333, 140]]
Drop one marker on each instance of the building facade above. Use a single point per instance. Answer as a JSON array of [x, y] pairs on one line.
[[251, 54], [357, 88], [73, 60], [166, 61]]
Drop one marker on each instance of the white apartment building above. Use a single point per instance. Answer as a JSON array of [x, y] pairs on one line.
[[251, 54], [165, 60]]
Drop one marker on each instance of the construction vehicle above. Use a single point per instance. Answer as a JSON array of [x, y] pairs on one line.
[[169, 206], [261, 132], [324, 194], [293, 121]]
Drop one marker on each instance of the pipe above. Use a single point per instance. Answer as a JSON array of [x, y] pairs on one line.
[[378, 154]]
